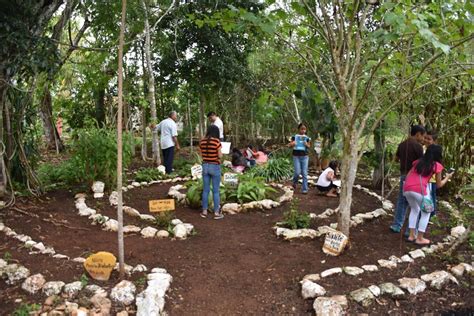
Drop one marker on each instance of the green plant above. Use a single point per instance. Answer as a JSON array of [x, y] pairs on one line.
[[163, 219], [295, 219], [7, 256], [84, 280], [276, 169], [252, 189], [148, 174], [26, 309], [194, 194]]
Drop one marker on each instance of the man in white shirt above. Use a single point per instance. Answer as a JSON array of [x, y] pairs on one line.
[[168, 139], [215, 120]]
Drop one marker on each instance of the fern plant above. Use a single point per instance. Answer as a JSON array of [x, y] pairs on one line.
[[275, 170], [294, 218]]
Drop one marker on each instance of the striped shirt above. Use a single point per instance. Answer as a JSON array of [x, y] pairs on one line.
[[210, 150]]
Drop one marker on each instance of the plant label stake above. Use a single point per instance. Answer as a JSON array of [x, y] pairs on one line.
[[334, 243], [161, 205], [196, 171]]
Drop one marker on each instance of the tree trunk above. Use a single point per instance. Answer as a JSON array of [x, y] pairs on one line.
[[348, 175], [379, 152], [202, 102], [151, 87], [100, 107], [144, 139], [3, 171], [191, 127], [53, 140], [119, 145]]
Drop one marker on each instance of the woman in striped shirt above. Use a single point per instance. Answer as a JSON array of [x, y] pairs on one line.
[[210, 148]]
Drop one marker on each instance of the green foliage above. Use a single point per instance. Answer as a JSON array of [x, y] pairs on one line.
[[252, 189], [163, 219], [26, 309], [84, 279], [295, 219], [7, 256], [275, 170], [149, 174], [93, 158]]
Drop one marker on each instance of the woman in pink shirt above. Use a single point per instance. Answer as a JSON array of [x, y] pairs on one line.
[[415, 188]]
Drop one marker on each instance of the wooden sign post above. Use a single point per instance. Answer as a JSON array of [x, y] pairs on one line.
[[334, 243], [161, 205]]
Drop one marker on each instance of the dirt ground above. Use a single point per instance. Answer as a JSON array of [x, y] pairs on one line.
[[235, 266]]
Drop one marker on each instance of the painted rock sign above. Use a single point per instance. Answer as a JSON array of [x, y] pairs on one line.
[[100, 265], [161, 205], [231, 179], [334, 243]]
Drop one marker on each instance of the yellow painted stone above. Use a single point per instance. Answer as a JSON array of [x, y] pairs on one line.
[[100, 265]]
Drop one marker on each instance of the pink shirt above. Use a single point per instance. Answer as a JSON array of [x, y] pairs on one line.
[[412, 181]]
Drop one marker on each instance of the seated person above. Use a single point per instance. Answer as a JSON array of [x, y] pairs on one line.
[[325, 180], [251, 154], [262, 157], [239, 163]]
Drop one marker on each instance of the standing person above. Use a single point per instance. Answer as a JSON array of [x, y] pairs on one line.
[[407, 152], [215, 120], [300, 143], [325, 180], [210, 149], [168, 139], [416, 188]]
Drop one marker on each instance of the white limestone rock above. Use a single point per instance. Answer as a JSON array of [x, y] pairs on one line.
[[111, 225], [130, 211], [53, 288], [98, 187], [3, 264], [113, 198], [330, 272], [418, 253], [353, 271], [60, 256], [412, 285], [33, 283], [48, 251], [135, 184], [87, 211], [123, 293], [328, 306], [370, 268], [93, 289], [23, 238], [269, 204], [139, 268], [101, 303], [289, 234], [310, 289], [152, 301], [395, 259], [407, 258], [79, 260], [468, 268], [312, 277], [362, 296], [387, 264], [161, 169], [438, 279], [149, 232], [391, 290], [189, 228], [375, 290], [231, 208], [143, 183], [39, 246], [129, 187], [72, 289], [176, 221], [458, 231], [30, 244], [180, 231], [147, 217], [131, 229], [387, 205], [162, 234], [15, 273], [98, 219]]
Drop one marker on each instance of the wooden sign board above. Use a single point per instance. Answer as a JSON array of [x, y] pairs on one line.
[[161, 205], [196, 171], [100, 265], [231, 179], [334, 243]]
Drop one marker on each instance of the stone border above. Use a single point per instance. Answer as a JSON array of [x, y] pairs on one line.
[[180, 230], [357, 219], [233, 208], [149, 302]]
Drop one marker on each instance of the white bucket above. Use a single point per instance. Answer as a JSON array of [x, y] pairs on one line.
[[225, 148]]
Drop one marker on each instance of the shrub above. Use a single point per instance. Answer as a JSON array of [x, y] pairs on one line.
[[194, 194], [26, 309], [295, 219], [276, 169]]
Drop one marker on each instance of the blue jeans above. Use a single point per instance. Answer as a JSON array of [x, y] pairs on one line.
[[300, 163], [211, 173], [401, 208]]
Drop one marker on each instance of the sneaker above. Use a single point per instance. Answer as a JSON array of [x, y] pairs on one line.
[[204, 214], [395, 229], [304, 192], [218, 216]]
